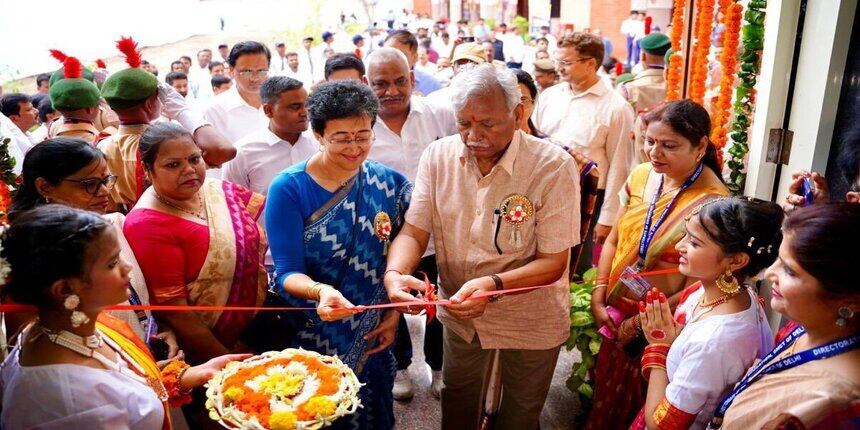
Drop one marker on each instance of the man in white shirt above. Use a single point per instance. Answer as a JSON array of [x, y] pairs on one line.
[[286, 140], [278, 65], [424, 63], [306, 57], [552, 42], [238, 111], [514, 47], [19, 109], [223, 52], [198, 74], [19, 144], [405, 126], [583, 113]]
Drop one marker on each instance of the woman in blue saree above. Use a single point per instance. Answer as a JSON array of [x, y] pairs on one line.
[[329, 221]]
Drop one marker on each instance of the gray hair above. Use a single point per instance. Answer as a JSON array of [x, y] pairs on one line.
[[481, 80], [385, 55], [273, 87], [340, 99]]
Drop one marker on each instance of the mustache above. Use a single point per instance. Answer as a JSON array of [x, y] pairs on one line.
[[391, 98]]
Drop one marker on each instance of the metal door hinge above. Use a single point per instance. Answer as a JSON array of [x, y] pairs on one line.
[[779, 145]]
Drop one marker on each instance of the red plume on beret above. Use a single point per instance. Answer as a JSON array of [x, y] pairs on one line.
[[58, 55], [72, 68], [101, 64], [128, 46], [619, 68], [647, 25]]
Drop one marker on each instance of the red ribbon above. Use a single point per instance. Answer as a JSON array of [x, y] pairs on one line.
[[423, 303]]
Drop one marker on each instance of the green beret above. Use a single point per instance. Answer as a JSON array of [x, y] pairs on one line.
[[129, 87], [58, 75], [73, 94], [624, 77], [655, 43]]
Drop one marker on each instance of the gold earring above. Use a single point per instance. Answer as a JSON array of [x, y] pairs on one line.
[[727, 283]]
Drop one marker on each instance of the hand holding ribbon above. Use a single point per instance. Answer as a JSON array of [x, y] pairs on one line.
[[399, 288], [471, 300]]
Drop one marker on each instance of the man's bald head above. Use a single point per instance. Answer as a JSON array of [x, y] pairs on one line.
[[391, 80]]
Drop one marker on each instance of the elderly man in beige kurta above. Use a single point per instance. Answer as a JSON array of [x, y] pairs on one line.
[[505, 224]]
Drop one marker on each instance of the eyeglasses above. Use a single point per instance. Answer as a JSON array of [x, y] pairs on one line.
[[361, 138], [92, 185], [564, 63], [525, 99], [259, 73]]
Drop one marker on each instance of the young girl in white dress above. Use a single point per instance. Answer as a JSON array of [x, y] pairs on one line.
[[719, 328]]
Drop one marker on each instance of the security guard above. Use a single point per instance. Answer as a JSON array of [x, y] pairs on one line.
[[648, 87]]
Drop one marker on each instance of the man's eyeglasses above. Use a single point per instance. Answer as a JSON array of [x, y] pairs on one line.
[[92, 185], [361, 138], [260, 73], [564, 63], [525, 99]]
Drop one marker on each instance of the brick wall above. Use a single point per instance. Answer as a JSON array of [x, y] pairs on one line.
[[607, 15]]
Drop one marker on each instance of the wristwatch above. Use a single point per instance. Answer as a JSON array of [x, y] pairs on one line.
[[499, 286]]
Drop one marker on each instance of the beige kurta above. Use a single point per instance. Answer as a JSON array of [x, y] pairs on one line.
[[454, 202], [121, 151], [808, 392]]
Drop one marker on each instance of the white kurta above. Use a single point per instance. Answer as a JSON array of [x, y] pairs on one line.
[[71, 396], [712, 354]]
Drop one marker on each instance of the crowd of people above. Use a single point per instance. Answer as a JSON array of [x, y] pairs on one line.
[[459, 156]]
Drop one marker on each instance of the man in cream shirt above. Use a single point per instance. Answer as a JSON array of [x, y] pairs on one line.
[[584, 113], [503, 210]]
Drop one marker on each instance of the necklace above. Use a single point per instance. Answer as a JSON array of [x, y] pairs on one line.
[[200, 215], [88, 347], [709, 306]]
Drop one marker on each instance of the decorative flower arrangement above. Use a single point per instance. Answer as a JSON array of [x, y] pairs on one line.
[[673, 73], [752, 36], [283, 390], [729, 61], [704, 24], [9, 181]]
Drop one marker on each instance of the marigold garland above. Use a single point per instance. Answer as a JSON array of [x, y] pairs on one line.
[[752, 36], [676, 59], [9, 181], [704, 24], [729, 62]]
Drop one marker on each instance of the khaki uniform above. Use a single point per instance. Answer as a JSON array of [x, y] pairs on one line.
[[79, 129], [644, 92], [107, 120], [121, 151]]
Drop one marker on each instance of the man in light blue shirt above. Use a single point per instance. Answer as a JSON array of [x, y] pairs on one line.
[[405, 42]]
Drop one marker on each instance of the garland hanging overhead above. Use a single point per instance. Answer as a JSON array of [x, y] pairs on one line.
[[728, 60], [752, 36]]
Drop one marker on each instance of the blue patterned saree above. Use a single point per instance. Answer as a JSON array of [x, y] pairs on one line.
[[345, 245]]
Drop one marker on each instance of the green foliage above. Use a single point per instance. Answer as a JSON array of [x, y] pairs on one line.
[[7, 163], [523, 24], [583, 336], [752, 38]]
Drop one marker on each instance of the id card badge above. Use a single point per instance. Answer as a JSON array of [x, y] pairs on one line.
[[634, 282]]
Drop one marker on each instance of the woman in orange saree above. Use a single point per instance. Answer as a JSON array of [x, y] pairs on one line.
[[682, 173]]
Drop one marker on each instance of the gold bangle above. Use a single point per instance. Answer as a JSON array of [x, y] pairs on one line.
[[313, 291], [596, 286]]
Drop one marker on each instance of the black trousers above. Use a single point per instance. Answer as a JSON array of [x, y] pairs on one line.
[[402, 347]]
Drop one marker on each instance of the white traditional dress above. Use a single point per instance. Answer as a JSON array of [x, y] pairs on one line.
[[708, 357]]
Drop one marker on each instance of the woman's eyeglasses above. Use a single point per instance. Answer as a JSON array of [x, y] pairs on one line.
[[92, 185], [360, 139]]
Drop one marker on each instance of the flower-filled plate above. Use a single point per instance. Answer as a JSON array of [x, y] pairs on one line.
[[283, 390]]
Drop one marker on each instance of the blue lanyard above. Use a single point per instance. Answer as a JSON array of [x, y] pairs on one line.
[[148, 323], [648, 232], [831, 349]]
